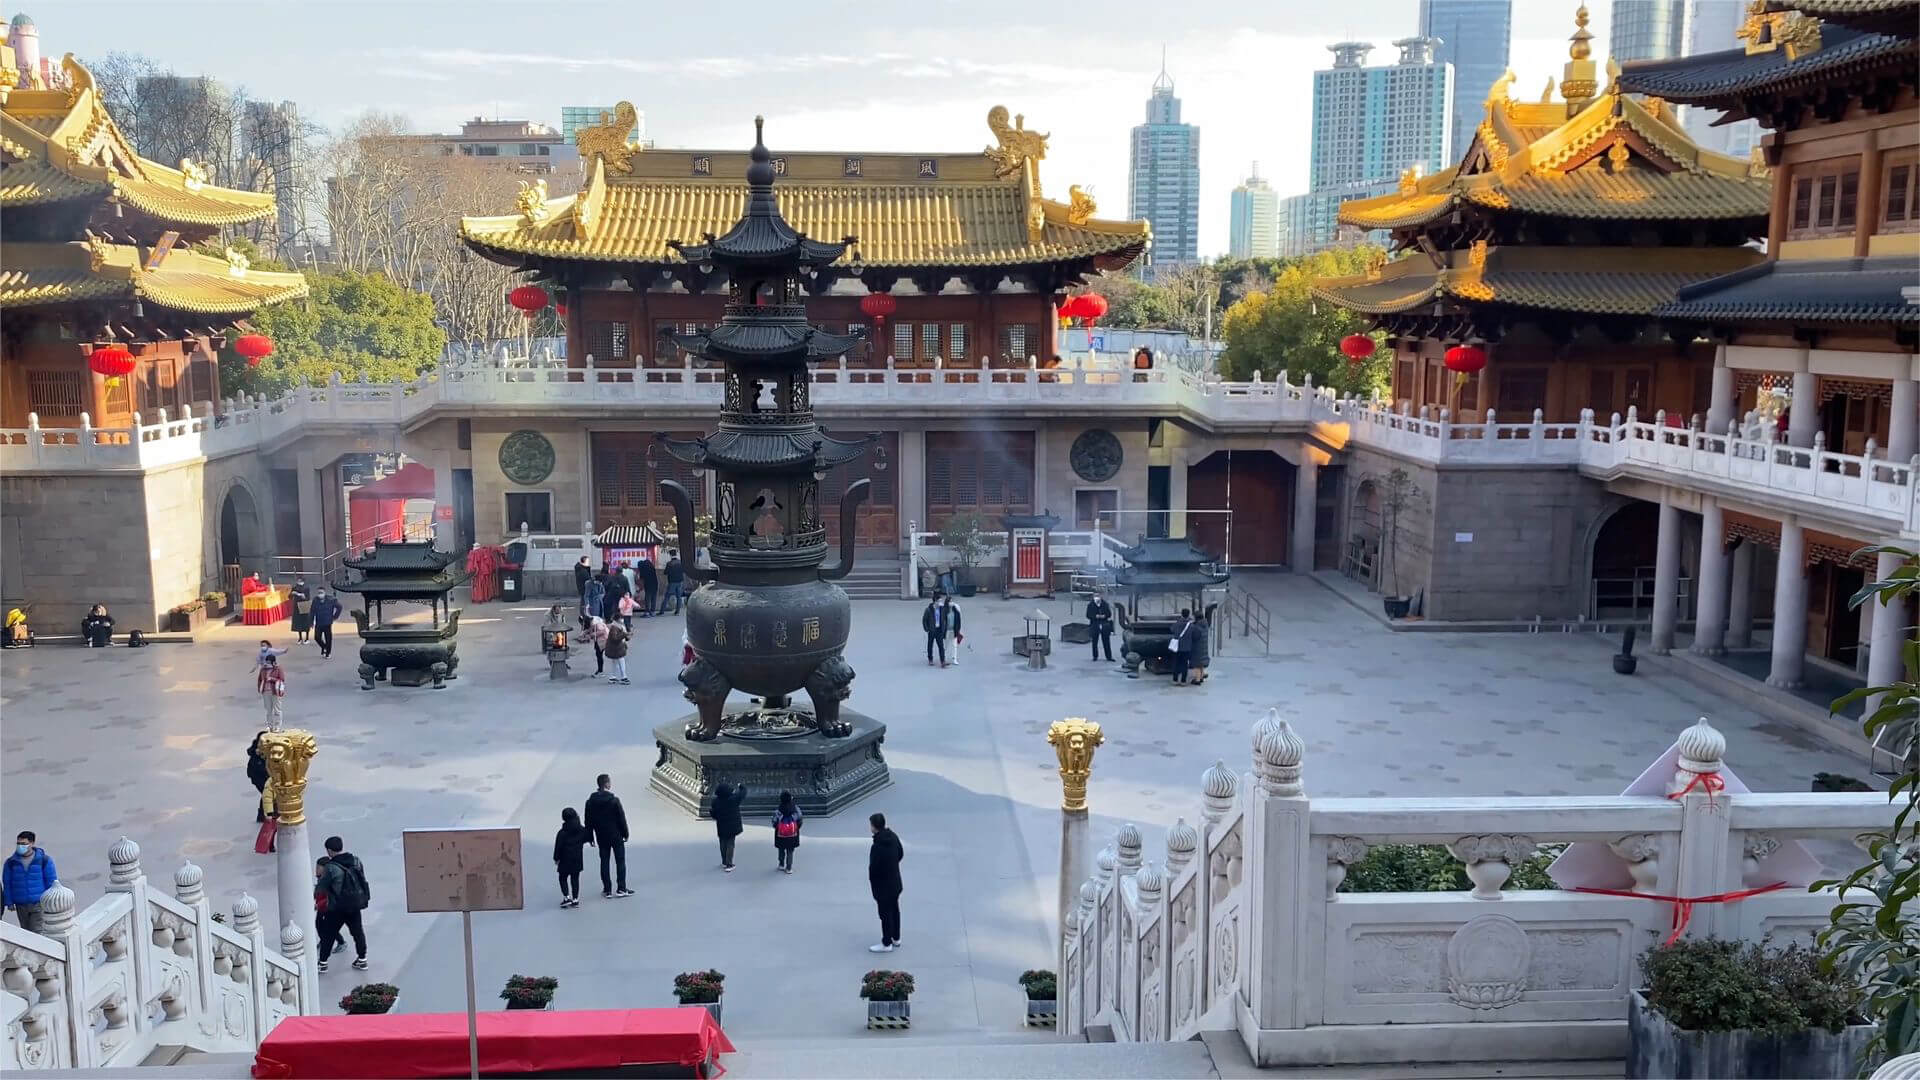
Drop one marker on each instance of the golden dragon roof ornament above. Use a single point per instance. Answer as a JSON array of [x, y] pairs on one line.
[[1018, 146], [532, 201], [607, 139], [1080, 205]]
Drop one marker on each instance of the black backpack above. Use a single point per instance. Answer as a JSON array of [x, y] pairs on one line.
[[350, 888]]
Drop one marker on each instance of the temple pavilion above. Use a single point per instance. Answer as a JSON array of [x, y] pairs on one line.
[[97, 256], [1565, 225]]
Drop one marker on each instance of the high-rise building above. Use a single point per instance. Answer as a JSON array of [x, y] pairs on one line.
[[1371, 124], [270, 143], [1163, 178], [516, 145], [1649, 29], [1474, 36], [1712, 28], [1253, 229], [575, 117], [1310, 222]]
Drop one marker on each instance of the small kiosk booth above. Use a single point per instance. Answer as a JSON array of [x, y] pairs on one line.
[[629, 544], [1029, 562]]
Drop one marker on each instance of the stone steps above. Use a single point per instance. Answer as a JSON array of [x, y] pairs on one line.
[[898, 1055], [873, 580]]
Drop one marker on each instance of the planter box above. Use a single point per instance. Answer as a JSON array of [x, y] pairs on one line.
[[186, 622], [712, 1007], [1396, 607], [514, 1005], [888, 1015], [1044, 1014], [1658, 1049]]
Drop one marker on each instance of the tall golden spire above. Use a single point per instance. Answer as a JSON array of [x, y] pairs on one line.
[[1577, 82]]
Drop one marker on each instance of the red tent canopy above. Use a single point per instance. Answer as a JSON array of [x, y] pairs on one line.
[[379, 509]]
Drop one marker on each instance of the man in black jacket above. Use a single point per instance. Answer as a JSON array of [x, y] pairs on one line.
[[938, 620], [582, 573], [343, 880], [649, 582], [726, 820], [606, 819], [1100, 625], [883, 877]]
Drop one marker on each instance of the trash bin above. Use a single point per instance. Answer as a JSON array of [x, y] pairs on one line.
[[511, 589]]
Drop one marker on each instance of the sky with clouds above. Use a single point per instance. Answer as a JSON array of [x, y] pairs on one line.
[[877, 75]]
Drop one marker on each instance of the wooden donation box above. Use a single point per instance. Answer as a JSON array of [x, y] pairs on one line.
[[1029, 563]]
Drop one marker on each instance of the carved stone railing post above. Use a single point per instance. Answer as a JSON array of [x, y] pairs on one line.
[[1150, 931], [126, 876], [1284, 886], [1342, 852], [1105, 938], [1705, 848], [1086, 982], [1490, 860], [188, 889], [57, 922]]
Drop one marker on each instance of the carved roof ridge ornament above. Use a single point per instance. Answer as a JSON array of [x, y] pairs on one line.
[[1577, 82], [1410, 180], [1080, 205], [1765, 31], [1017, 146], [194, 173], [607, 140], [532, 201]]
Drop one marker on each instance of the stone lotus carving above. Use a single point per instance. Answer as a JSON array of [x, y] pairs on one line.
[[1641, 851], [1487, 963], [1342, 852], [1182, 841], [1277, 753], [1489, 860], [1126, 845], [1220, 786]]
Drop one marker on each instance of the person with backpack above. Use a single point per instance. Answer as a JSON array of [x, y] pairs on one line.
[[606, 819], [27, 875], [616, 648], [726, 819], [786, 830], [340, 894], [569, 855]]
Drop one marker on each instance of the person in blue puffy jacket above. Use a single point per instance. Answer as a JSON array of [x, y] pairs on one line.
[[28, 874]]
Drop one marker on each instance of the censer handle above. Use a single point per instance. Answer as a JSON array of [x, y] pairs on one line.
[[857, 493], [689, 546]]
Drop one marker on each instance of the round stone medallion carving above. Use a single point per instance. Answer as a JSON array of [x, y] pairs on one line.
[[526, 457], [1096, 455], [1487, 961]]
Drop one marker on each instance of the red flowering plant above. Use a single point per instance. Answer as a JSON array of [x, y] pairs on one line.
[[699, 987], [370, 998], [886, 986]]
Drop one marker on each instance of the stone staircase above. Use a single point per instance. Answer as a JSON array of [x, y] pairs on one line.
[[873, 578]]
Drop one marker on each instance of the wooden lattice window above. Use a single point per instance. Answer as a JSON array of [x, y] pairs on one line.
[[633, 469], [957, 340], [1826, 199], [607, 340], [56, 393], [929, 340], [902, 341], [1013, 342], [606, 478], [1901, 183]]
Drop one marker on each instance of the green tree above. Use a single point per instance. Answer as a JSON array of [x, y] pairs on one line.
[[1283, 328], [351, 323]]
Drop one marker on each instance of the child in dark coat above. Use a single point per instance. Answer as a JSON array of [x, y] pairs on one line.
[[569, 857], [786, 830]]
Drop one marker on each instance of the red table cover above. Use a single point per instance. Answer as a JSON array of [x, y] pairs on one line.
[[406, 1045]]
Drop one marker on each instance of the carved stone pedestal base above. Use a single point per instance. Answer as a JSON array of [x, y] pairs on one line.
[[825, 775]]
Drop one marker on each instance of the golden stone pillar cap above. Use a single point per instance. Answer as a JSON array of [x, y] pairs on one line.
[[1074, 740]]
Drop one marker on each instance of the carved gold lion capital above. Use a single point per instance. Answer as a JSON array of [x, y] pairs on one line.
[[288, 754], [1074, 740]]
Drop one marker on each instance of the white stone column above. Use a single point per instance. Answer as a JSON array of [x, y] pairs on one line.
[[1666, 576], [1790, 609], [288, 754], [1710, 615], [1177, 493], [1901, 424], [1720, 404], [1740, 598], [912, 475], [1704, 868], [1804, 417], [1306, 485], [1889, 631], [1283, 887]]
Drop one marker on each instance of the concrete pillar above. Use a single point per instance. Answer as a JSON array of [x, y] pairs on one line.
[[1720, 404], [1711, 583], [1863, 634], [1285, 894], [913, 480], [1888, 633], [1177, 493], [1073, 740], [1740, 598], [288, 753], [313, 530], [1666, 576], [1790, 609], [1901, 442], [1306, 485], [1804, 418]]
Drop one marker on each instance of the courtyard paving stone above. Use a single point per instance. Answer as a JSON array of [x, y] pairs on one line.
[[152, 744]]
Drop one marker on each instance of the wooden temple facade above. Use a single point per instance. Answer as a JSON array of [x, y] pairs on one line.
[[97, 253], [1551, 244]]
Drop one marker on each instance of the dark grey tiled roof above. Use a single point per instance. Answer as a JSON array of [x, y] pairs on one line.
[[1805, 290], [1711, 77]]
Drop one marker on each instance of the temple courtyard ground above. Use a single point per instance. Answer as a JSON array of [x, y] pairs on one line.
[[152, 744]]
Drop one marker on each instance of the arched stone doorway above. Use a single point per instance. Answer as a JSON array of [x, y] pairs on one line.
[[241, 542], [1625, 547], [1361, 559]]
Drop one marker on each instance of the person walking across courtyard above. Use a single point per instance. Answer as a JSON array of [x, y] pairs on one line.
[[326, 608], [597, 632], [726, 820], [883, 877], [582, 573], [301, 596], [649, 585], [676, 576], [343, 881], [257, 776], [616, 649], [617, 587], [27, 875], [271, 682], [1100, 625], [786, 830], [591, 597], [940, 619], [606, 819], [569, 855]]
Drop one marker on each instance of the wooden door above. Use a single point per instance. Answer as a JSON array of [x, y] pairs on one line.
[[877, 522], [989, 473], [1258, 487], [626, 485]]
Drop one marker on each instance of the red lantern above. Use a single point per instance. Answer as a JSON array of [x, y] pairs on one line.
[[1357, 347], [1466, 359], [878, 306], [1070, 308], [530, 299], [1092, 307], [254, 347], [113, 361]]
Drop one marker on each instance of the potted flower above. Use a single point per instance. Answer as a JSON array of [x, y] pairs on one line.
[[187, 618], [887, 993], [530, 991], [370, 998], [966, 536], [701, 988], [216, 603], [1724, 1008], [1043, 990]]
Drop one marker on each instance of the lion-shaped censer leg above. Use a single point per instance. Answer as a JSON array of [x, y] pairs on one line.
[[828, 686], [708, 690]]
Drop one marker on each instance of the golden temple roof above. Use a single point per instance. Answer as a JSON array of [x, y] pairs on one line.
[[1590, 280], [908, 210], [59, 145], [39, 274], [1614, 158]]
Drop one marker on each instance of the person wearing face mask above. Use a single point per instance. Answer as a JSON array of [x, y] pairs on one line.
[[27, 875]]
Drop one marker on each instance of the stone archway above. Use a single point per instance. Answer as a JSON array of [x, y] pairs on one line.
[[1361, 559], [1621, 552], [242, 542]]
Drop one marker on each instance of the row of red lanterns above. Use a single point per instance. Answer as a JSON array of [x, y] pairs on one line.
[[117, 361], [1461, 359], [532, 299]]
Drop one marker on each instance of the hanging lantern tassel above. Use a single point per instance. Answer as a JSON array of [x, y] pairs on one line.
[[1459, 379]]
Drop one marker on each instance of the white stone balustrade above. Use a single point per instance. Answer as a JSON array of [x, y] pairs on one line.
[[138, 969], [1242, 925]]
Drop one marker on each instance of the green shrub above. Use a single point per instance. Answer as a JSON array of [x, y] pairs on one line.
[[1705, 984], [1432, 868], [1040, 985]]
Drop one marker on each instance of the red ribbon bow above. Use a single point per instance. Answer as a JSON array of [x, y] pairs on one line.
[[1683, 905], [1711, 781]]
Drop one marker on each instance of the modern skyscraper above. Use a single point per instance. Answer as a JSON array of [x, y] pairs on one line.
[[270, 144], [1371, 124], [1253, 228], [1649, 29], [1474, 36], [574, 117], [1712, 28], [1163, 178]]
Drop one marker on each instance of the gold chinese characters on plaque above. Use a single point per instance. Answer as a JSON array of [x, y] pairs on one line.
[[1074, 740]]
